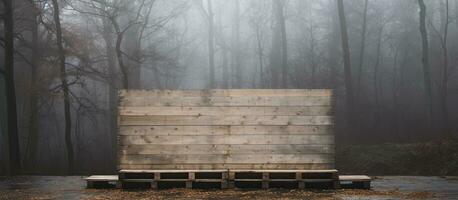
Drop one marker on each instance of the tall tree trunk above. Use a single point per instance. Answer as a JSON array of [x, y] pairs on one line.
[[32, 140], [236, 60], [444, 85], [119, 38], [347, 61], [112, 87], [284, 44], [332, 50], [12, 128], [425, 62], [394, 119], [225, 69], [312, 57], [376, 70], [211, 45], [275, 52], [260, 57], [361, 49], [65, 88]]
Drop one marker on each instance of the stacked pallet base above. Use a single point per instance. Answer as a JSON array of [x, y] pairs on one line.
[[155, 179]]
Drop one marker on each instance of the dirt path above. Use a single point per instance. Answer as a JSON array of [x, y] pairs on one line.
[[393, 187]]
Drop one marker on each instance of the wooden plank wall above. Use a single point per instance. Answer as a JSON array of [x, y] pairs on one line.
[[226, 129]]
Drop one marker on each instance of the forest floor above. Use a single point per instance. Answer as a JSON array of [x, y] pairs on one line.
[[437, 158], [73, 187]]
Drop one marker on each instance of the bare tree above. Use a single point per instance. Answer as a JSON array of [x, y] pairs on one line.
[[8, 73], [31, 147], [284, 45], [346, 58], [235, 48], [444, 82], [362, 47], [425, 61], [208, 14], [65, 87]]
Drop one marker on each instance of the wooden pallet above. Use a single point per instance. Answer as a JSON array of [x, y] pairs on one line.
[[227, 179], [189, 177], [355, 182], [300, 178], [105, 181]]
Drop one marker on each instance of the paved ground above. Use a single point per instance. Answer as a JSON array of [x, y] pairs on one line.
[[388, 187]]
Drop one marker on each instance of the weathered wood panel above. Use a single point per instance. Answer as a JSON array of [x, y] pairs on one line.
[[221, 129], [225, 130], [246, 166], [219, 111], [226, 149], [216, 158], [228, 139], [225, 120]]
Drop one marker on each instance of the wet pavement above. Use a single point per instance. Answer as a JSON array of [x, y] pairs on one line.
[[73, 187]]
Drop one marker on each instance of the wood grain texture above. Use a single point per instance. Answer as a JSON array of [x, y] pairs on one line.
[[178, 149], [217, 166], [226, 129], [229, 139], [225, 120], [223, 110], [234, 159]]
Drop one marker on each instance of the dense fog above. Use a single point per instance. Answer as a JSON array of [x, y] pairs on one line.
[[397, 82]]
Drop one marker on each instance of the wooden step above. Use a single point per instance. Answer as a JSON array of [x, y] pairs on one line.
[[99, 181], [355, 181], [187, 176], [303, 178]]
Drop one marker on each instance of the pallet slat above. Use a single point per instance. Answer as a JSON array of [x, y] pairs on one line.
[[226, 130], [222, 110], [236, 159], [209, 166], [179, 149], [229, 140], [224, 120]]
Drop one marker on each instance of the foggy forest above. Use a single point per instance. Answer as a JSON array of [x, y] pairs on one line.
[[391, 63]]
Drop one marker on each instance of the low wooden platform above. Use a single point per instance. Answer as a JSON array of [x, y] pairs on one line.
[[355, 181], [300, 178], [189, 177], [322, 179], [101, 181]]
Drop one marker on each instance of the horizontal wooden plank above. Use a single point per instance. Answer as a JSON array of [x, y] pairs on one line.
[[225, 101], [225, 149], [209, 166], [226, 130], [236, 159], [227, 93], [102, 178], [229, 139], [355, 178], [285, 171], [223, 110], [225, 120], [171, 171]]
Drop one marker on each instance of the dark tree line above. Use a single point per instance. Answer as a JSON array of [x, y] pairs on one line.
[[391, 63]]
